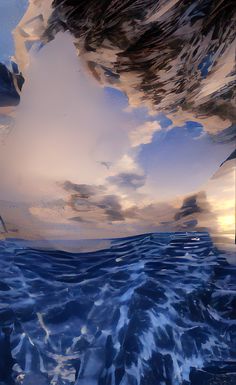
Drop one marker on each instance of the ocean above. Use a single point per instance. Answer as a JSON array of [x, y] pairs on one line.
[[154, 309]]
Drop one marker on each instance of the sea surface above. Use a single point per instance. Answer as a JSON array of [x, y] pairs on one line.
[[155, 309]]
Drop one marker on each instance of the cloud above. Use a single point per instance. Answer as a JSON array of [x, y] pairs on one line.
[[128, 180], [190, 206], [196, 212], [112, 207], [79, 219], [74, 162], [93, 203], [63, 126], [83, 190], [143, 134], [155, 57], [172, 73]]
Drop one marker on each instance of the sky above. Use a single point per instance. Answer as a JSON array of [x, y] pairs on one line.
[[178, 159], [11, 11], [81, 161]]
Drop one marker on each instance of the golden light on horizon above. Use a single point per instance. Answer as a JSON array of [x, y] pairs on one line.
[[226, 222]]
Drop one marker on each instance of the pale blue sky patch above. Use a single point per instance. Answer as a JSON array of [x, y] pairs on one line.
[[176, 163], [11, 11]]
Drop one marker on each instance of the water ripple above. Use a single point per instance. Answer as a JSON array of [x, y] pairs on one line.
[[153, 309]]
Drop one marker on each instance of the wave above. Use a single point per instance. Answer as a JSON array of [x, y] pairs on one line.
[[150, 309]]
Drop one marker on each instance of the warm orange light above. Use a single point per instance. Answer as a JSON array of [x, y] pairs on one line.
[[226, 222]]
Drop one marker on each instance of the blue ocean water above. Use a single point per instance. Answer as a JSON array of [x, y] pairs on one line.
[[156, 309]]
